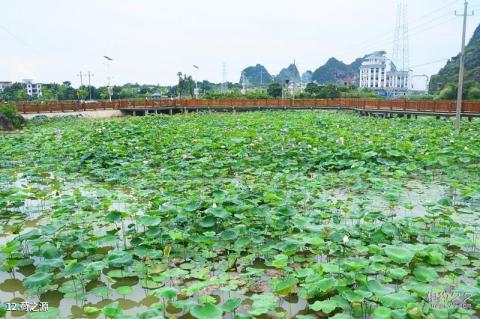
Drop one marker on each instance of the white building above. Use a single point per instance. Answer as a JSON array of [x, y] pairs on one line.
[[33, 89], [4, 85], [379, 73]]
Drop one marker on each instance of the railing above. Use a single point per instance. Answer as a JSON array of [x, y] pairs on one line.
[[394, 105]]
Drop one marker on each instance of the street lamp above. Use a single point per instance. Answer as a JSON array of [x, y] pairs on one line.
[[196, 82], [109, 87]]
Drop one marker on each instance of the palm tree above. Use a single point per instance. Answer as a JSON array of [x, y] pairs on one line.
[[180, 85], [190, 85]]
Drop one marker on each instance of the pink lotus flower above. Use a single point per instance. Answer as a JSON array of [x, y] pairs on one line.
[[184, 156]]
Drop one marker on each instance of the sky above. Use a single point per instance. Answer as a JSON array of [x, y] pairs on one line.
[[150, 41]]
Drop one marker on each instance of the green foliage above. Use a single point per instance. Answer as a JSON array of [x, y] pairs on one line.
[[447, 77], [10, 117], [448, 93], [328, 91], [265, 207], [473, 92], [274, 90], [257, 75]]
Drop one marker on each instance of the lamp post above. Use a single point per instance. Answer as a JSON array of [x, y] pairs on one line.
[[109, 87], [196, 81]]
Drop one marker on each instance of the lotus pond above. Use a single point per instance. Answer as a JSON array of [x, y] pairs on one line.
[[255, 215]]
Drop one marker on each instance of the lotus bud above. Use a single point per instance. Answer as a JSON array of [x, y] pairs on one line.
[[184, 156], [345, 239]]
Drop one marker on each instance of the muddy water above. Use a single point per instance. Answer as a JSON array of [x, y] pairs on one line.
[[412, 199]]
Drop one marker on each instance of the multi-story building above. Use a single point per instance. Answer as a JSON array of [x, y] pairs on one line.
[[33, 89], [379, 73], [4, 85]]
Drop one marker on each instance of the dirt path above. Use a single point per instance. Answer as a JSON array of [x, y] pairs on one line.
[[89, 114]]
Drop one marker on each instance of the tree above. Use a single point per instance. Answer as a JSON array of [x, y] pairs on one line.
[[448, 93], [473, 93], [189, 80], [181, 85], [274, 90], [312, 89]]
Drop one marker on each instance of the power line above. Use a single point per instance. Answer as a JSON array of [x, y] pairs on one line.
[[380, 38], [25, 43], [430, 63]]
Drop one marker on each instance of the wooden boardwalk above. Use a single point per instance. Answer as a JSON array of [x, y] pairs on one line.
[[385, 108]]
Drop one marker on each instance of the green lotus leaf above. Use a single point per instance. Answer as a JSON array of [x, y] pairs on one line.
[[166, 292], [263, 303], [206, 311], [124, 290], [37, 281], [112, 310], [101, 291], [148, 220], [74, 269], [218, 212], [326, 306], [397, 273], [382, 313], [207, 221], [47, 265], [49, 251], [378, 289], [119, 259], [284, 287], [280, 261], [397, 300], [91, 310], [151, 314], [231, 304], [425, 274], [119, 273], [399, 255], [184, 304], [230, 234]]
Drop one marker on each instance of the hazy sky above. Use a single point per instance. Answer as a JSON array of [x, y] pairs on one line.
[[151, 40]]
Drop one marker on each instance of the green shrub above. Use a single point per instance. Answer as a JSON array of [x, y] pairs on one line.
[[473, 93], [9, 118]]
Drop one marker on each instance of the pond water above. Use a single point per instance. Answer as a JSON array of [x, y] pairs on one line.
[[413, 199]]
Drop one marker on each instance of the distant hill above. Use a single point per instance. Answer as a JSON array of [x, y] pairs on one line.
[[289, 73], [448, 75], [335, 71], [307, 76], [257, 75]]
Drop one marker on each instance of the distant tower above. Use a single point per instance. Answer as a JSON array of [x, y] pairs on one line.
[[244, 83], [401, 49], [401, 45], [224, 78]]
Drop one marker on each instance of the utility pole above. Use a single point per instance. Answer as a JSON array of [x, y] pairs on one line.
[[90, 75], [462, 68], [81, 78], [109, 86], [196, 81]]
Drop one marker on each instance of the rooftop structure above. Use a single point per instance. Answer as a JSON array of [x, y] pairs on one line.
[[33, 89], [379, 73]]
